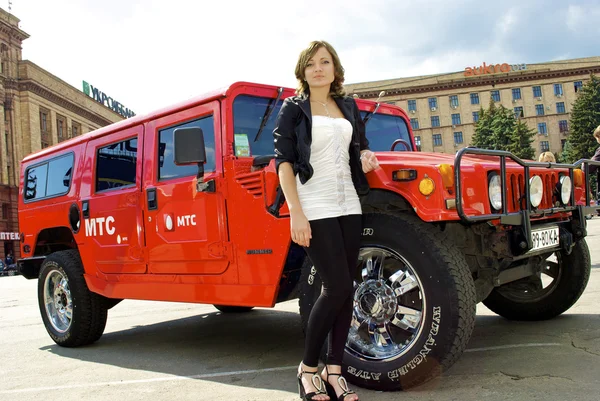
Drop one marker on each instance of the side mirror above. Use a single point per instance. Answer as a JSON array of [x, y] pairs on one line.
[[189, 146]]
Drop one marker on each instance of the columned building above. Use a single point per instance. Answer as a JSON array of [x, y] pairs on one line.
[[444, 108], [38, 110]]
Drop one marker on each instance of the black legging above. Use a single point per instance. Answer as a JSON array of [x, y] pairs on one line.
[[333, 251]]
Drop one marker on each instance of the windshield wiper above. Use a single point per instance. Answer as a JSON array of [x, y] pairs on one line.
[[268, 112]]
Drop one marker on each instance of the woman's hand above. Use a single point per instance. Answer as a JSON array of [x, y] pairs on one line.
[[369, 161], [300, 228]]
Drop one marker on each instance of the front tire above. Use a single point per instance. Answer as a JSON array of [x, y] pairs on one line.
[[414, 304], [72, 314], [528, 299]]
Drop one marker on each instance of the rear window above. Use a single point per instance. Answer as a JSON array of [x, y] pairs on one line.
[[49, 179]]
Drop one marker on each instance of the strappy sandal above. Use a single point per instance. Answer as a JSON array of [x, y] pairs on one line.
[[316, 381], [342, 383]]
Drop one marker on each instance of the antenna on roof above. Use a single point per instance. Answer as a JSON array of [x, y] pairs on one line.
[[9, 5], [381, 94]]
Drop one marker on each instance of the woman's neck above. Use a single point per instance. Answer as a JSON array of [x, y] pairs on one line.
[[319, 94]]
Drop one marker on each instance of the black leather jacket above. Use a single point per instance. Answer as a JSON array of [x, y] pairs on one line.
[[293, 136]]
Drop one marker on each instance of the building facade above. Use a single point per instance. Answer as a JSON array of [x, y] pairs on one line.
[[38, 110], [444, 108]]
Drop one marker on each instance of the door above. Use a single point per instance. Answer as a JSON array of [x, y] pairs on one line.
[[111, 202], [186, 229]]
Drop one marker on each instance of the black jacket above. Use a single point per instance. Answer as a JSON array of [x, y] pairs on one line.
[[293, 136]]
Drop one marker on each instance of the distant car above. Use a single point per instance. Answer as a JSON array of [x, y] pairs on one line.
[[8, 270]]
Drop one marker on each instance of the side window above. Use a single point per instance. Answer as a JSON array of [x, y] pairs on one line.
[[35, 187], [116, 165], [49, 179], [59, 176], [167, 168]]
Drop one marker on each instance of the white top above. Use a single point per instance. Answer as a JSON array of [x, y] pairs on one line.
[[330, 191]]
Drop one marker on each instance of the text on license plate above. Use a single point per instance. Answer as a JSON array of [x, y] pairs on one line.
[[544, 238]]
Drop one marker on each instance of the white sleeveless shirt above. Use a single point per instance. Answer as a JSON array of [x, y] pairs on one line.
[[330, 191]]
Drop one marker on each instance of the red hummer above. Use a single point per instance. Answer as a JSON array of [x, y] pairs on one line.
[[184, 205]]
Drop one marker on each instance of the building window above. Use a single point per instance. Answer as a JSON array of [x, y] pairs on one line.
[[562, 143], [5, 212], [474, 98], [560, 107], [75, 129], [496, 96], [577, 85], [418, 142], [45, 135], [519, 112], [454, 101], [516, 93], [558, 91], [455, 119], [61, 126], [539, 109], [537, 91], [412, 105], [435, 121], [433, 103], [475, 116], [563, 126], [544, 146], [437, 139], [542, 129], [458, 138], [414, 123]]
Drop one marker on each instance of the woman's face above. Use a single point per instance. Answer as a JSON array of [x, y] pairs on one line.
[[319, 71]]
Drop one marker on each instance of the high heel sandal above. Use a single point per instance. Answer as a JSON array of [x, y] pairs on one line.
[[342, 383], [316, 381]]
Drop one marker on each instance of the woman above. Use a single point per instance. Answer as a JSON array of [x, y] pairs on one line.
[[322, 156], [547, 157]]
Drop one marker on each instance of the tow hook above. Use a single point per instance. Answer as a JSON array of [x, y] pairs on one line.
[[566, 240]]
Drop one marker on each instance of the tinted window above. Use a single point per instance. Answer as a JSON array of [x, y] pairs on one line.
[[167, 169], [248, 112], [35, 187], [116, 165], [59, 175], [383, 130]]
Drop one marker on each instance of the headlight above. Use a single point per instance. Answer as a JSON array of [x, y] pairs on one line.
[[536, 190], [565, 189], [495, 191]]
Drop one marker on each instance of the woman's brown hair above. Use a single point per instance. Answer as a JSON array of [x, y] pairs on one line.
[[337, 88]]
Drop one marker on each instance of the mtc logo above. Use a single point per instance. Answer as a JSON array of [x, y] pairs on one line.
[[98, 225], [188, 220]]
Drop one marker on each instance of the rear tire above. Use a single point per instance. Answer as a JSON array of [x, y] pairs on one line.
[[526, 300], [72, 314]]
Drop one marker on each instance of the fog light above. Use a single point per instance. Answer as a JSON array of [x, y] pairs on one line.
[[495, 191], [565, 189]]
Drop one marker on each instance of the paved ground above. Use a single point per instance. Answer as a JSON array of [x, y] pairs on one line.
[[168, 351]]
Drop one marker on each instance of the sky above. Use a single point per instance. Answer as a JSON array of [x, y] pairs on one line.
[[150, 54]]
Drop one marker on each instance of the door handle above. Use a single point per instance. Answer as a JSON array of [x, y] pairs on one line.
[[85, 209], [151, 198]]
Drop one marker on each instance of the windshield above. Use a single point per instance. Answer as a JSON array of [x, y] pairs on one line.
[[248, 112]]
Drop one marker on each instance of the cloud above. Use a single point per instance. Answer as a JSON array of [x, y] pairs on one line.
[[154, 53]]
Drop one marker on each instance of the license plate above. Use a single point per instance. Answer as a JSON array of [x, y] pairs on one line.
[[544, 238]]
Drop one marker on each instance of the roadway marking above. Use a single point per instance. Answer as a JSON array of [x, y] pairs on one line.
[[512, 346], [221, 374]]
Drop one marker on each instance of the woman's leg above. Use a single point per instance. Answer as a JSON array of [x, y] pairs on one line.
[[327, 252], [351, 231]]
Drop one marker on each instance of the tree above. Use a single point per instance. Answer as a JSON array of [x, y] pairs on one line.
[[585, 117], [499, 129]]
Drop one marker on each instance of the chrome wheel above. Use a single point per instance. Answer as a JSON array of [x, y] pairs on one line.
[[389, 306], [58, 302]]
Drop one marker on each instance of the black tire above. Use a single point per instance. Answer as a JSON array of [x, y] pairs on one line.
[[446, 285], [522, 300], [88, 317], [233, 309]]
